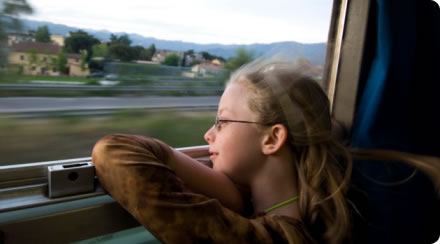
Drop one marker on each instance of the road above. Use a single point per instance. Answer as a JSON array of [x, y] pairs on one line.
[[49, 104]]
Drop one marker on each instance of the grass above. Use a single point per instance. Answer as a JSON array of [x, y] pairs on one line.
[[13, 78], [37, 140], [128, 79]]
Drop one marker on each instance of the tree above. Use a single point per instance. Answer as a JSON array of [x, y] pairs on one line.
[[61, 62], [243, 57], [152, 49], [171, 59], [211, 57], [141, 53], [145, 55], [53, 63], [123, 39], [83, 59], [80, 40], [119, 48], [10, 12], [122, 52], [185, 54], [207, 56], [42, 34], [32, 57], [100, 50]]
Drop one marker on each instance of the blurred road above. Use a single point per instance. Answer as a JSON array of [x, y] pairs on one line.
[[49, 104]]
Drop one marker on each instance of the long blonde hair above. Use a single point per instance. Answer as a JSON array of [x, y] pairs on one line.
[[283, 94]]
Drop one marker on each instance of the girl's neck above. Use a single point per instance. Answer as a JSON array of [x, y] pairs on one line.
[[274, 184]]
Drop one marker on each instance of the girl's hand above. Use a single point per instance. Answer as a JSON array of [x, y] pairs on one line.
[[202, 179]]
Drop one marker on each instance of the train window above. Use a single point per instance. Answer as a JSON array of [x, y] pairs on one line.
[[142, 66], [154, 68]]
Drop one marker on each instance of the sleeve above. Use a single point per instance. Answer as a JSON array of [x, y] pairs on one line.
[[138, 172]]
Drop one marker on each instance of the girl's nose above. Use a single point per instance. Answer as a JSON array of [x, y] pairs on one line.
[[210, 135]]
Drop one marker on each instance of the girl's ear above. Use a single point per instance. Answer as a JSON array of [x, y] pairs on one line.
[[274, 139]]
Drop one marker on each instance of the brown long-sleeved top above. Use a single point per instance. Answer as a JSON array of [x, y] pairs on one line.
[[138, 172]]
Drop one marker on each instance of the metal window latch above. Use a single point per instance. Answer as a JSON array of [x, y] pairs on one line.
[[70, 179]]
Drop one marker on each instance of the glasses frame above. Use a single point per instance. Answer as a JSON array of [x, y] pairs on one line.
[[218, 121]]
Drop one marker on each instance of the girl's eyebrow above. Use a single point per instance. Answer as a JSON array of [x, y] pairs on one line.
[[221, 110], [225, 112]]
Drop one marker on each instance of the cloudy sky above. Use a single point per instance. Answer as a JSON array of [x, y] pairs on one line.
[[201, 21]]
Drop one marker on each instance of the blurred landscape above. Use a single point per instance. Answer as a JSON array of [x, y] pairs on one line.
[[66, 137], [314, 52], [63, 88]]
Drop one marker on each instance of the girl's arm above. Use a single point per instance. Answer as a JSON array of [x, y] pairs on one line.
[[206, 181], [146, 177]]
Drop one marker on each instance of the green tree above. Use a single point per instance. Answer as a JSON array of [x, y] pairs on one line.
[[83, 59], [123, 39], [171, 59], [10, 12], [242, 57], [42, 34], [113, 38], [122, 52], [145, 55], [207, 56], [53, 62], [61, 62], [100, 50], [186, 53], [141, 53], [32, 56], [80, 40], [152, 49], [119, 48], [211, 57]]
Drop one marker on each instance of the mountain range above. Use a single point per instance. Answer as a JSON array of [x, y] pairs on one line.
[[289, 50]]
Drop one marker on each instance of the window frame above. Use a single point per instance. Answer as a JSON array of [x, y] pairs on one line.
[[23, 192], [25, 185], [343, 65]]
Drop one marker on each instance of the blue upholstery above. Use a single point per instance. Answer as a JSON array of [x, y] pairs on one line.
[[398, 109]]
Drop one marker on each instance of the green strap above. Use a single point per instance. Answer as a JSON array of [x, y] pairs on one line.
[[281, 204]]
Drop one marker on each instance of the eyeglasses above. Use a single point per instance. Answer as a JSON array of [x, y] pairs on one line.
[[219, 121]]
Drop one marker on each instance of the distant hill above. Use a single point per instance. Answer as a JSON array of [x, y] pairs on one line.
[[291, 50]]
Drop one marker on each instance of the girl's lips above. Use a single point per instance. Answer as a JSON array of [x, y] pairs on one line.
[[213, 155]]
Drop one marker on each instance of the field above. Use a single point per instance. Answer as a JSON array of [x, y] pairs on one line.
[[37, 140]]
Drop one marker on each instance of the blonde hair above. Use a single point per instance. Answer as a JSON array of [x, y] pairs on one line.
[[284, 93]]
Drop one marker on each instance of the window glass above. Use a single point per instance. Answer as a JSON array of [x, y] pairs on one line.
[[153, 68]]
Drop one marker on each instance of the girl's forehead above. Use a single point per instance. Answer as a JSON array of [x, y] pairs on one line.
[[234, 101]]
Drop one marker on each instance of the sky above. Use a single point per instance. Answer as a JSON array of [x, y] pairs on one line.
[[200, 21]]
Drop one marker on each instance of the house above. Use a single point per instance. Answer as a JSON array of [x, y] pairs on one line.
[[207, 69], [38, 58], [74, 65], [57, 39], [217, 62], [159, 56], [16, 37]]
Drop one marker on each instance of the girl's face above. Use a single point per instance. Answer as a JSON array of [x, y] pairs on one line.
[[235, 148]]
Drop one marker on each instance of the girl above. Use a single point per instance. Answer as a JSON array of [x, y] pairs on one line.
[[272, 138]]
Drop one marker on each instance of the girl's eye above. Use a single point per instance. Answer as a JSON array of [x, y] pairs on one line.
[[220, 123]]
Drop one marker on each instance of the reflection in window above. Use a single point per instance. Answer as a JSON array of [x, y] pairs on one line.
[[143, 73]]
